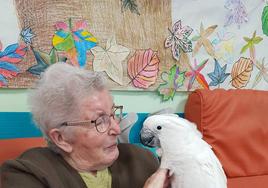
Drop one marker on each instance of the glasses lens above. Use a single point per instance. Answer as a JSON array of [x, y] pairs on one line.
[[102, 123]]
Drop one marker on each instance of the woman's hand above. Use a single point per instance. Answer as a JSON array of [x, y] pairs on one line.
[[159, 179]]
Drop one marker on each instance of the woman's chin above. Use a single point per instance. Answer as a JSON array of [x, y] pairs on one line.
[[115, 153], [112, 153]]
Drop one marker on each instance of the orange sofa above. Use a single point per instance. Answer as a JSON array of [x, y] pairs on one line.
[[235, 124], [12, 148]]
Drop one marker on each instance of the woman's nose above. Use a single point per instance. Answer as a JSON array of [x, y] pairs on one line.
[[115, 127]]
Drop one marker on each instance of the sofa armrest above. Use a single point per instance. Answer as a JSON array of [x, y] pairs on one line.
[[235, 124]]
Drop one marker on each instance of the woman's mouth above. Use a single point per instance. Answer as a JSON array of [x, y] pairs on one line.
[[112, 147]]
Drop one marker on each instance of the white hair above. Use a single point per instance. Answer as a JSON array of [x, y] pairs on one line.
[[56, 97]]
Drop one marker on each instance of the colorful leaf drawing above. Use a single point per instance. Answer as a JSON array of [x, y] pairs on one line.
[[173, 80], [143, 67], [203, 41], [110, 59], [75, 42], [178, 39], [27, 35], [241, 72], [225, 52], [43, 61], [11, 55], [131, 5], [236, 14], [264, 20], [221, 36], [224, 46], [251, 45], [262, 74], [218, 76], [195, 74]]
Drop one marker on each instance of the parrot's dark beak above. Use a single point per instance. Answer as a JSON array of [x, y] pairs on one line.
[[147, 138]]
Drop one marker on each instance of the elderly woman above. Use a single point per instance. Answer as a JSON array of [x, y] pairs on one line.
[[80, 122]]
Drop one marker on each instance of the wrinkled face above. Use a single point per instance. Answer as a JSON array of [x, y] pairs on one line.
[[97, 149]]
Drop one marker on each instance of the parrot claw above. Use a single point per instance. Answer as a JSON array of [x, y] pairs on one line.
[[170, 172]]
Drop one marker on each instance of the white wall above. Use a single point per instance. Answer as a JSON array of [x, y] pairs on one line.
[[15, 100]]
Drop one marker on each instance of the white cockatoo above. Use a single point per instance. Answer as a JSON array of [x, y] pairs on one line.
[[188, 157]]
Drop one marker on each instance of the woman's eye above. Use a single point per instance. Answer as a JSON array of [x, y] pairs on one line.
[[99, 121]]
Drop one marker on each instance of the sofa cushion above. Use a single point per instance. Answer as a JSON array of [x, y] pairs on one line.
[[248, 182], [235, 124], [12, 148]]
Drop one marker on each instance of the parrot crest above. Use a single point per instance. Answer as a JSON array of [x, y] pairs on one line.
[[157, 127]]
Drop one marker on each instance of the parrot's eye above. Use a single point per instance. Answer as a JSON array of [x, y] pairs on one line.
[[159, 127]]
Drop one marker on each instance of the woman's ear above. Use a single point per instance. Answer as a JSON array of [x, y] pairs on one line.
[[59, 139]]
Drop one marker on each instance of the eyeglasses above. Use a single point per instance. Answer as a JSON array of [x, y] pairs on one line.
[[102, 123]]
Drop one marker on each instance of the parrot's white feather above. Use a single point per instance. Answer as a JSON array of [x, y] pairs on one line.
[[184, 152]]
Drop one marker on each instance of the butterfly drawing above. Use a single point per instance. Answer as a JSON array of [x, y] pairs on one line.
[[10, 56], [74, 40], [178, 39]]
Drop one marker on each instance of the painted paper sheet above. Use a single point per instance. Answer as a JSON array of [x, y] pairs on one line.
[[97, 35], [163, 46], [229, 43]]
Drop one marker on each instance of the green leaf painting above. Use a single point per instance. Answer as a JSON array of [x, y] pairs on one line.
[[43, 61], [131, 5], [264, 20], [173, 80], [250, 44]]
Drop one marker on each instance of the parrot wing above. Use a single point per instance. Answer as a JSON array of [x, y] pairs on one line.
[[212, 172]]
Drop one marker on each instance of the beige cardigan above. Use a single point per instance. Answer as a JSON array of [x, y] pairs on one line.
[[42, 168]]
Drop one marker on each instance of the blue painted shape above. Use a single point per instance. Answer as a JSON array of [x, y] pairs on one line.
[[20, 125], [17, 125], [135, 130]]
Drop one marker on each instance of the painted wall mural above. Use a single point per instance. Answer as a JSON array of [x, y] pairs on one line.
[[163, 46]]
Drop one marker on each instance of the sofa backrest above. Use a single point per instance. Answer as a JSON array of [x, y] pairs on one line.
[[18, 133], [235, 124], [11, 148]]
